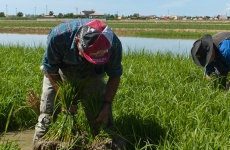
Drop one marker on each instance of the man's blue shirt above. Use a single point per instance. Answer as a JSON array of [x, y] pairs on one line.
[[222, 59], [62, 52]]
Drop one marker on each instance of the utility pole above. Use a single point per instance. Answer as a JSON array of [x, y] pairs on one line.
[[6, 11], [16, 12], [35, 12], [46, 9]]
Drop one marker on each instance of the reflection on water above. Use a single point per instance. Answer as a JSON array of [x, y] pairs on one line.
[[133, 43]]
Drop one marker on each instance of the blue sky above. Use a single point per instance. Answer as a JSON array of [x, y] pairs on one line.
[[122, 7]]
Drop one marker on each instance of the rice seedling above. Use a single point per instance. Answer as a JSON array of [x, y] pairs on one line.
[[19, 72], [64, 132], [68, 131]]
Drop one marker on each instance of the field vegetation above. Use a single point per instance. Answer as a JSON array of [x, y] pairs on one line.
[[163, 101], [155, 28]]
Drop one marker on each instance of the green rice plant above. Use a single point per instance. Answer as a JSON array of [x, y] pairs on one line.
[[9, 145], [6, 144], [163, 97], [156, 28], [65, 128], [19, 72], [171, 34], [68, 128], [209, 25], [166, 99], [31, 23]]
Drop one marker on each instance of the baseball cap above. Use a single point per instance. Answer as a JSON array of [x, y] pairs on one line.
[[202, 50], [96, 39]]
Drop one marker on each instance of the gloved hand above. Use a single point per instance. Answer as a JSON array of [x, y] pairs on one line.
[[72, 109]]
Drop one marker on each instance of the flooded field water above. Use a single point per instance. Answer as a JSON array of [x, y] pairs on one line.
[[178, 46]]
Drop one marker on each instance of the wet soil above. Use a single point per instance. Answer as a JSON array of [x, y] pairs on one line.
[[25, 141], [23, 138]]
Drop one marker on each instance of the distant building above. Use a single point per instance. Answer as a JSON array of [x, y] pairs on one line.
[[119, 17], [87, 12], [95, 15], [222, 17], [9, 15], [92, 14], [48, 16]]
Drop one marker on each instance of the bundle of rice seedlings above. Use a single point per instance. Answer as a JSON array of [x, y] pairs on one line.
[[65, 132], [105, 138], [69, 131]]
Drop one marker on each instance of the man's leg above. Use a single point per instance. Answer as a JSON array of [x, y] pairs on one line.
[[46, 109]]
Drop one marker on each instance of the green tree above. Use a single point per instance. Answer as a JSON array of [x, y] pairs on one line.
[[19, 14], [69, 15], [60, 15], [2, 14], [136, 15], [51, 13]]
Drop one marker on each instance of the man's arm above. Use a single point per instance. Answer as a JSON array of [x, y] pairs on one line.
[[54, 78], [209, 69], [111, 89], [114, 70], [207, 77]]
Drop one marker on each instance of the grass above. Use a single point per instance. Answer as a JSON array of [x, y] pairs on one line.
[[19, 72], [9, 145], [169, 102], [163, 101], [28, 23], [168, 34], [208, 25]]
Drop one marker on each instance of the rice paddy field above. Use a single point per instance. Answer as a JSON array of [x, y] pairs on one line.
[[163, 101], [151, 28]]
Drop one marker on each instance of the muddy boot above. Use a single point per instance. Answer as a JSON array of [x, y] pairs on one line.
[[118, 143], [41, 127]]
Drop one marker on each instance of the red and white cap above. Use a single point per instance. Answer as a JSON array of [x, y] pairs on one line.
[[96, 39]]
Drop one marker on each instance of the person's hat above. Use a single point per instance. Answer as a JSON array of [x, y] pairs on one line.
[[96, 39], [202, 50]]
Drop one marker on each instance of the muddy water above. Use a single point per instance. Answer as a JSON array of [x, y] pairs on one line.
[[23, 138]]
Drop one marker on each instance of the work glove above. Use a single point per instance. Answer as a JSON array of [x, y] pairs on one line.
[[72, 109]]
